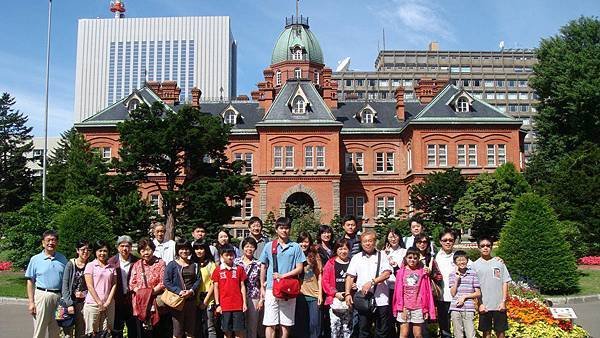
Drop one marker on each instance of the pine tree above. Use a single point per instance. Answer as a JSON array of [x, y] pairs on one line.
[[534, 249], [16, 183]]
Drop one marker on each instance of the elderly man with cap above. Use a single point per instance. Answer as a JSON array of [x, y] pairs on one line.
[[122, 263]]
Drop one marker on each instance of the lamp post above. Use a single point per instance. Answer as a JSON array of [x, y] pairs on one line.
[[45, 159]]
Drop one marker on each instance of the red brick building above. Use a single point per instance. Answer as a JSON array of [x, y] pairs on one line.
[[303, 145]]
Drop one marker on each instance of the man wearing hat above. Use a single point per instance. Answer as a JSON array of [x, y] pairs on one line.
[[122, 263]]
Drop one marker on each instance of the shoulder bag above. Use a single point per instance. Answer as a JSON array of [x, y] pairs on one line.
[[283, 288], [436, 290], [365, 303], [171, 299]]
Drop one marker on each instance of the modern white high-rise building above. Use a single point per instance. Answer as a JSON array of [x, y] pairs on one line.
[[117, 55]]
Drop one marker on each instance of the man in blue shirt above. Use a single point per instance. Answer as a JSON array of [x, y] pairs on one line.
[[290, 263], [44, 282]]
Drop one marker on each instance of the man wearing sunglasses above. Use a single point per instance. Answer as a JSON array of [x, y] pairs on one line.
[[445, 263], [493, 278]]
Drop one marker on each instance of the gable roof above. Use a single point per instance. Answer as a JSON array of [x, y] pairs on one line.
[[280, 112], [439, 110]]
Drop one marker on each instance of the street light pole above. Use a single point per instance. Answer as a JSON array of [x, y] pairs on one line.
[[45, 159]]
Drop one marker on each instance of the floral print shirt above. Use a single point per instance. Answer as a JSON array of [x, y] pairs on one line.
[[253, 273], [154, 274]]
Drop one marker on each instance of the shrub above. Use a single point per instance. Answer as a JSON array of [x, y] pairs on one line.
[[577, 241], [534, 249], [79, 221], [22, 230]]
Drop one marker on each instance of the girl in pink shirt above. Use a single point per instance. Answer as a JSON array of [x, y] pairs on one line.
[[413, 302]]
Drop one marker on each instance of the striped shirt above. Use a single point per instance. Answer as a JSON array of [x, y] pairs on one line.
[[468, 283]]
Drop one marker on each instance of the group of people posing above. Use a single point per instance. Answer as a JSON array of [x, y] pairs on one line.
[[313, 287]]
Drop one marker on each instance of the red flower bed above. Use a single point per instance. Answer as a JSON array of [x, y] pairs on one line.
[[5, 266], [589, 260], [530, 311]]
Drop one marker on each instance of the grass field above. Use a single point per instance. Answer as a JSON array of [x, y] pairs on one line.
[[589, 282], [12, 284]]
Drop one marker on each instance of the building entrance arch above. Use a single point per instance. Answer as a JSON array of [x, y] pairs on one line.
[[299, 196]]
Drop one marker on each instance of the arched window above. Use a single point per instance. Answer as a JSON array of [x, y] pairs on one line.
[[297, 73], [230, 117], [133, 104], [368, 116], [278, 78], [297, 54], [298, 105], [462, 105]]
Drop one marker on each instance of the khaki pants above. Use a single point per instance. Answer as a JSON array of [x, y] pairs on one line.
[[463, 322], [97, 321], [254, 318], [44, 321]]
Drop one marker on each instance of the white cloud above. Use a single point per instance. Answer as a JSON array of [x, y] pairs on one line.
[[415, 21]]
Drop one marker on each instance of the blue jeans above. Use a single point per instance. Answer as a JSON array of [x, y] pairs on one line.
[[307, 322]]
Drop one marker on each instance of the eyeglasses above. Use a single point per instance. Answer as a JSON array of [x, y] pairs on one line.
[[423, 241], [85, 249], [485, 245], [447, 240]]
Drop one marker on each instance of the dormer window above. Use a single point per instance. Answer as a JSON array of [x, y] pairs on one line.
[[298, 105], [133, 104], [368, 116], [297, 53], [297, 73], [462, 105], [230, 117], [278, 78]]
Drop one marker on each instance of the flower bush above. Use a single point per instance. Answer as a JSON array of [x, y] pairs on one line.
[[589, 260], [5, 266]]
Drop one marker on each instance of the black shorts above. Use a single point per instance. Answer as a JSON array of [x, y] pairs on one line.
[[232, 321], [493, 319]]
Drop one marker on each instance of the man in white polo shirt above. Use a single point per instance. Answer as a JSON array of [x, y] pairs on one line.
[[164, 249], [363, 271]]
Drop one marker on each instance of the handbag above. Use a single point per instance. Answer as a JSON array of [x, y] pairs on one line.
[[339, 306], [365, 303], [173, 300], [143, 301], [283, 288], [436, 290], [62, 316]]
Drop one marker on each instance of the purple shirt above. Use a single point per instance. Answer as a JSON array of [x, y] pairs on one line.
[[468, 283], [103, 279]]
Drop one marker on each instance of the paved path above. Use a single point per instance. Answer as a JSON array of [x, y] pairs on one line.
[[16, 323], [588, 316]]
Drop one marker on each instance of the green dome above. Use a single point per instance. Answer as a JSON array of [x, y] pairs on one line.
[[293, 35]]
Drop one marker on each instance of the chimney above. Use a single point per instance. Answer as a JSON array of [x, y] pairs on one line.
[[242, 98], [434, 46], [266, 96], [329, 89], [170, 93], [154, 86], [196, 93], [427, 89], [400, 103], [268, 74]]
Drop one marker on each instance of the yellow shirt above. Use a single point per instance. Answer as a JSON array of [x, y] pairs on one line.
[[206, 272]]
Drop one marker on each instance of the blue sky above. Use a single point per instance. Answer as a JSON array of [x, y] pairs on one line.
[[344, 28]]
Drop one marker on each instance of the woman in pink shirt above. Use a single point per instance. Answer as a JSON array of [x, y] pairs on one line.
[[413, 301], [100, 278]]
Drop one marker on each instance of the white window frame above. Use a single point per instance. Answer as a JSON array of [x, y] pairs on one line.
[[431, 155], [390, 162], [297, 54], [309, 157], [278, 78], [106, 153], [316, 73], [360, 207], [409, 159], [385, 202], [278, 157], [154, 200], [350, 205], [491, 155], [462, 105], [442, 153], [299, 105], [320, 157], [472, 155], [461, 155], [247, 208], [230, 117], [297, 73], [289, 157], [368, 116], [501, 153]]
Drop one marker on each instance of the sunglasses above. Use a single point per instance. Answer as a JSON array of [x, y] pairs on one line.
[[485, 246], [423, 242], [447, 240]]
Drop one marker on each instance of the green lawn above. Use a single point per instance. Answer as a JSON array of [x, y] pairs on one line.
[[589, 282], [12, 284]]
